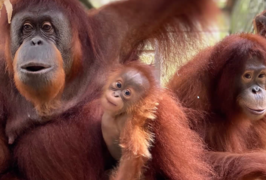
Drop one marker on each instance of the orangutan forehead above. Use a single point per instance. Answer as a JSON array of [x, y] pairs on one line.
[[251, 63], [41, 14], [133, 77], [255, 63]]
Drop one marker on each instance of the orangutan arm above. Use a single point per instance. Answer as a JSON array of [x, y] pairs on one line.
[[127, 24], [245, 166]]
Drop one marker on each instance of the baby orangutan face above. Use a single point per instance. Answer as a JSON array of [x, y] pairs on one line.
[[125, 89]]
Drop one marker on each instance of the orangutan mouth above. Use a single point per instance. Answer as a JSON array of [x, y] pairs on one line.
[[110, 102], [35, 68], [256, 111]]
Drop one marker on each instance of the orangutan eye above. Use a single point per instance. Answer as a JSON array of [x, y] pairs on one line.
[[261, 75], [47, 27], [27, 28], [127, 92], [118, 84], [247, 75]]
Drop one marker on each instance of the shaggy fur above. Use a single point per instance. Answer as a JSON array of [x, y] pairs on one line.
[[66, 143], [137, 138], [158, 137], [206, 87]]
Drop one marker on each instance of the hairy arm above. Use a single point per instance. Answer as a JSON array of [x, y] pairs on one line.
[[178, 151], [244, 166], [125, 25], [135, 153], [135, 142], [130, 167]]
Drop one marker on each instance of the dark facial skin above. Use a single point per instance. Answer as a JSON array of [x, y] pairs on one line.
[[252, 99], [126, 89], [38, 37]]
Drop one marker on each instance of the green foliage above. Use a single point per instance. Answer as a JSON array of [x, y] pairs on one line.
[[87, 3]]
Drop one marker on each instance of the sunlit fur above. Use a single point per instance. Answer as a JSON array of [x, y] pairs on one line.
[[206, 87]]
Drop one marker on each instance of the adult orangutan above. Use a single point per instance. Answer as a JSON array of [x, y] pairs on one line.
[[52, 70], [223, 89]]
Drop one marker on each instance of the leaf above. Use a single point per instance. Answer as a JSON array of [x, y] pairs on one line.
[[9, 8]]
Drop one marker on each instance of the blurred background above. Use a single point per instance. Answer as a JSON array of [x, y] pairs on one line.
[[236, 17]]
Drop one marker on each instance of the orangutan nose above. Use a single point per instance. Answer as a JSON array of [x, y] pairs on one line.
[[256, 89], [116, 94]]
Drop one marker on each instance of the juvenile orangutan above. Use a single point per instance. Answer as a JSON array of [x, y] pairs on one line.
[[129, 103], [142, 132]]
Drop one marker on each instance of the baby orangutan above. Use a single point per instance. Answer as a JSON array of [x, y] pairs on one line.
[[129, 105]]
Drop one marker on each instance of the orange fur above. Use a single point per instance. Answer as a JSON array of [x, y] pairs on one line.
[[46, 99], [136, 138], [158, 137], [77, 56], [206, 87], [177, 150]]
